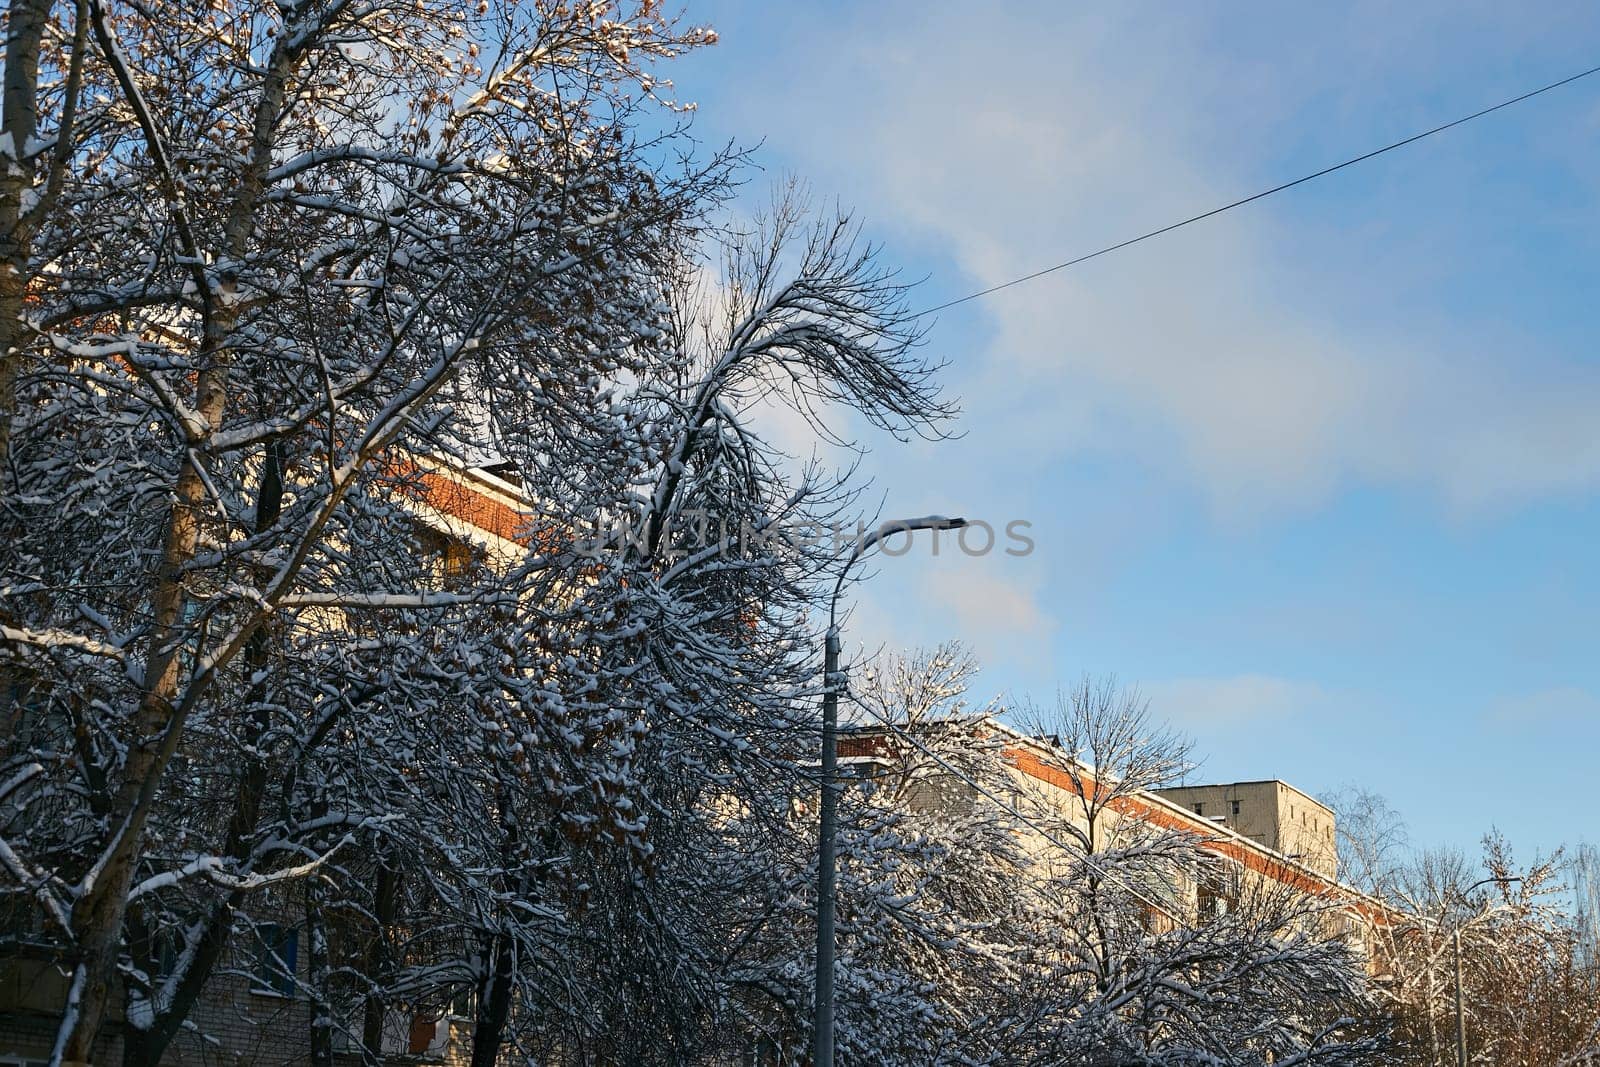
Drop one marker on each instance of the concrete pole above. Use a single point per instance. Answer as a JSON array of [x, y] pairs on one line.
[[822, 1038], [832, 682], [1461, 1017]]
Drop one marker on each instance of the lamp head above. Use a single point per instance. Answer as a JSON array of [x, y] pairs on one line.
[[894, 526], [926, 522]]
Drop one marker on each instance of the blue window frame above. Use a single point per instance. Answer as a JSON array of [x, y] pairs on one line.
[[276, 948]]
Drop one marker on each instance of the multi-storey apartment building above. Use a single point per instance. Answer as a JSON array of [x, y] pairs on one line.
[[253, 1013], [1272, 813], [1266, 833]]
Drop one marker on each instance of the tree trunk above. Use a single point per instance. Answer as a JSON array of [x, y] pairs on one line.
[[385, 906], [494, 1002], [157, 721], [144, 1048], [494, 990], [317, 976], [19, 121], [98, 915]]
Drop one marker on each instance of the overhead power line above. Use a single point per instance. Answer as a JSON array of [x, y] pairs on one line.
[[1261, 195]]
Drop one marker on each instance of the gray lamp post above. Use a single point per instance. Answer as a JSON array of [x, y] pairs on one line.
[[832, 682]]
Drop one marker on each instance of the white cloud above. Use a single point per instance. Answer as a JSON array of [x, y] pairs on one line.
[[1003, 612], [988, 604], [1016, 139], [1555, 705], [1207, 704]]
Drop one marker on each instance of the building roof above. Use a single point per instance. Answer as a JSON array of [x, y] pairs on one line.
[[1254, 781], [1045, 761]]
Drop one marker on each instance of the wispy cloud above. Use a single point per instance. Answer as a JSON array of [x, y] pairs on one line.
[[1207, 704], [990, 605], [1555, 705], [1218, 354]]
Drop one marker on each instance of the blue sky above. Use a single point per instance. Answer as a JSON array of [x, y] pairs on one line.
[[1320, 476]]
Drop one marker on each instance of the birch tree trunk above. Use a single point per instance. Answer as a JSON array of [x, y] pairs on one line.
[[19, 121], [97, 915]]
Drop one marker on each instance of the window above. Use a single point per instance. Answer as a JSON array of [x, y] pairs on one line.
[[190, 629], [164, 954], [1211, 902], [459, 558], [22, 710], [1235, 807], [764, 1052], [275, 950], [464, 1005], [450, 559], [1199, 809], [1217, 889], [22, 922]]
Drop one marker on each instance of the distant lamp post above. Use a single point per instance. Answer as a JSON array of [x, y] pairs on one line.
[[1461, 1015], [832, 682]]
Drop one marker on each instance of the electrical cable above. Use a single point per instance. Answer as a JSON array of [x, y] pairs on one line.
[[1258, 196]]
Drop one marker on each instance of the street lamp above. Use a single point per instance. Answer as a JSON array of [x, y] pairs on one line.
[[832, 682], [1461, 1016]]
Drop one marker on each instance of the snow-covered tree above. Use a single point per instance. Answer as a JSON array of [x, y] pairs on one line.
[[1159, 950], [933, 885], [708, 672], [1530, 989], [259, 247], [298, 252], [984, 921], [271, 272], [1527, 994]]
